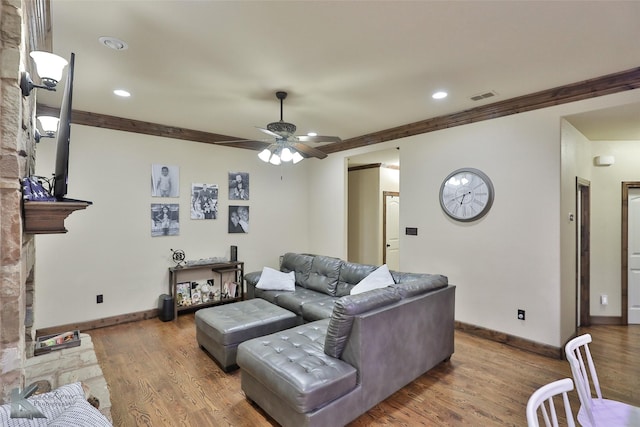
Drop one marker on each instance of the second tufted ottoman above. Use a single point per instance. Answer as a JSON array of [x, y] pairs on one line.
[[220, 329]]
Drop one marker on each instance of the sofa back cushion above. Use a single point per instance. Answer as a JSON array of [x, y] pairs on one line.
[[344, 311], [350, 275], [298, 263], [324, 274], [412, 284]]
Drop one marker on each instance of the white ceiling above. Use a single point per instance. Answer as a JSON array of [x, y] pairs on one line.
[[350, 67]]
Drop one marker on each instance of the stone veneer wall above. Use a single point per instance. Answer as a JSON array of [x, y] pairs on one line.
[[17, 159]]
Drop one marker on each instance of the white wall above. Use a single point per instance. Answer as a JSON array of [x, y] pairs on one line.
[[576, 154], [109, 249], [512, 258]]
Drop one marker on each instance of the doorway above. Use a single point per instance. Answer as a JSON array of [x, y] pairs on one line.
[[630, 286], [583, 253], [391, 229]]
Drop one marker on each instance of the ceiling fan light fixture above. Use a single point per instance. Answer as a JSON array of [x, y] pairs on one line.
[[297, 157], [265, 155], [275, 160], [286, 155]]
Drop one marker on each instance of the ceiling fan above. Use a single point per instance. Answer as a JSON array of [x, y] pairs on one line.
[[287, 146]]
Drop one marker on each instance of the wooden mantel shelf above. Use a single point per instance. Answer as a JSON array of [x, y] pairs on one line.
[[48, 217]]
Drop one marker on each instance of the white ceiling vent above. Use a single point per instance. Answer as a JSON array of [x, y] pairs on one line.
[[482, 96]]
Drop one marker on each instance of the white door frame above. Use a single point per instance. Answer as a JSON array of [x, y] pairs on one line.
[[384, 222], [583, 252], [624, 286]]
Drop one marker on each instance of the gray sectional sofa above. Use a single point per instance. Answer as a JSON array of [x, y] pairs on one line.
[[349, 352]]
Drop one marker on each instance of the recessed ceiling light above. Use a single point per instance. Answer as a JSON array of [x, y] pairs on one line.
[[439, 95], [121, 92], [113, 43], [312, 134]]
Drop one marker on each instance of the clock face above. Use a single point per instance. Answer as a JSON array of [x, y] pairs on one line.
[[466, 194]]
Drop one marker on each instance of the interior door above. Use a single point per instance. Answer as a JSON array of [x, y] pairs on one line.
[[633, 271], [391, 230], [584, 252]]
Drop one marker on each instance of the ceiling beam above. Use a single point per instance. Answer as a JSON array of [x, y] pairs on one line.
[[137, 126], [605, 85]]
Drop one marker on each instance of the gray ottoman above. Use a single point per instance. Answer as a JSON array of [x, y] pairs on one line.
[[220, 329]]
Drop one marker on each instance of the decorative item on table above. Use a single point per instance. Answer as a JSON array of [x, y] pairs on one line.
[[229, 290], [213, 293], [195, 297], [33, 189], [204, 261], [178, 257], [49, 343], [204, 290], [183, 293]]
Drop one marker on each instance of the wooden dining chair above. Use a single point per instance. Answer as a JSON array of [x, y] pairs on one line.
[[542, 400], [595, 410]]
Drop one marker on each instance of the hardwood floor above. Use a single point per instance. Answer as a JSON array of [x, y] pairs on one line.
[[158, 376]]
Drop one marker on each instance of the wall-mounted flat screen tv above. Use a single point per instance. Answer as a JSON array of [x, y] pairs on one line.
[[61, 174]]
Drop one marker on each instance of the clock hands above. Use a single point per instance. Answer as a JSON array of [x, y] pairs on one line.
[[463, 196]]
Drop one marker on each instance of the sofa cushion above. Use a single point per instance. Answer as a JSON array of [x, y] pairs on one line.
[[318, 309], [300, 264], [294, 301], [380, 278], [346, 308], [351, 274], [324, 274], [274, 280], [293, 365]]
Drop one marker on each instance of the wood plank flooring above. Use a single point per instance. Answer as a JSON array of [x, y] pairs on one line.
[[158, 376]]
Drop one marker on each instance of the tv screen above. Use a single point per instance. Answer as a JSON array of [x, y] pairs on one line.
[[64, 133]]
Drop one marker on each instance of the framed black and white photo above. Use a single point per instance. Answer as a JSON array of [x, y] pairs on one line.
[[238, 186], [165, 180], [165, 219], [204, 201], [238, 219]]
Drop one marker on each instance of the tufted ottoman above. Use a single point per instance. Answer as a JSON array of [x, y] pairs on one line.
[[220, 329]]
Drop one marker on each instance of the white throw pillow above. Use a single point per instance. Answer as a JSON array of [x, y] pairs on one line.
[[274, 280], [379, 278]]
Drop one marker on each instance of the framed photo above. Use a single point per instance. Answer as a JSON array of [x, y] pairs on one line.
[[238, 219], [238, 186], [204, 201], [165, 219], [165, 180], [183, 294]]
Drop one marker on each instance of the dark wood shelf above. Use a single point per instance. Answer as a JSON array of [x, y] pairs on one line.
[[48, 217], [235, 269]]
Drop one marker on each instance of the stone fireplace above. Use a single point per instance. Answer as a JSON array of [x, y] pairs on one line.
[[17, 160]]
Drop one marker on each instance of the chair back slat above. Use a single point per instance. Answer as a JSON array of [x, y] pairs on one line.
[[542, 400]]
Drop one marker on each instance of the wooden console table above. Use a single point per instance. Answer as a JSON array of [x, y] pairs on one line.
[[220, 277]]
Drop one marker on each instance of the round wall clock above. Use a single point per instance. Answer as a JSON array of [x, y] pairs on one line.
[[466, 194]]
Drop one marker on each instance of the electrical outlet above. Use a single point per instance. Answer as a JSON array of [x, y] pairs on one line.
[[99, 299], [520, 314]]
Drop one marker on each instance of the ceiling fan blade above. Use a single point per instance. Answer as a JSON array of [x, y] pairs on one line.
[[308, 151], [318, 138], [268, 132]]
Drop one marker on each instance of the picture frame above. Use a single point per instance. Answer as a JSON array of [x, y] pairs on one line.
[[183, 294], [238, 186], [204, 201], [238, 219], [165, 180]]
